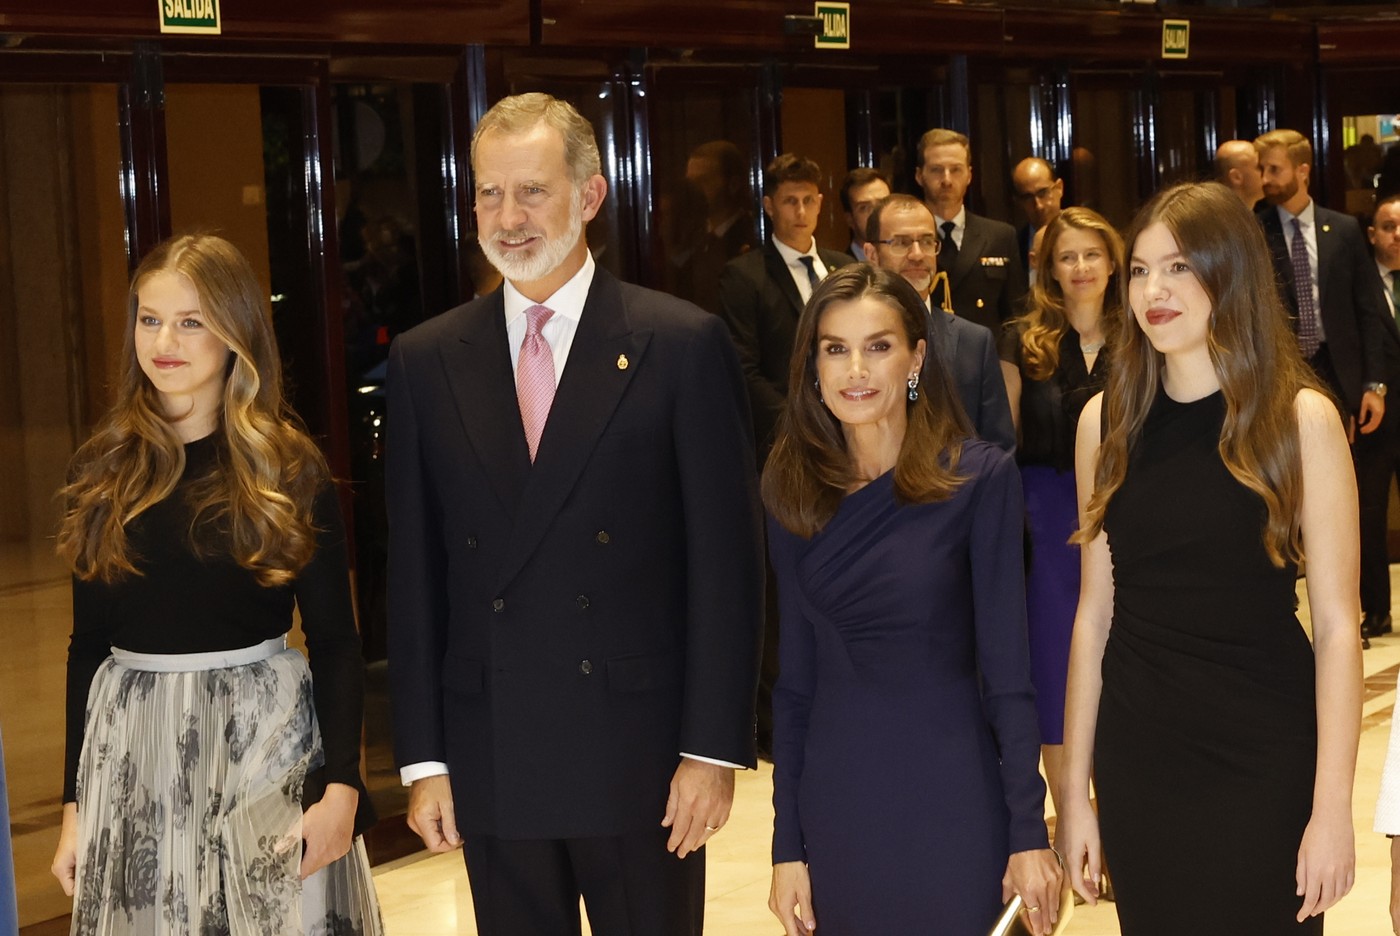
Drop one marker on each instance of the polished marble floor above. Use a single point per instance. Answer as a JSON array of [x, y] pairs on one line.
[[424, 894], [428, 895]]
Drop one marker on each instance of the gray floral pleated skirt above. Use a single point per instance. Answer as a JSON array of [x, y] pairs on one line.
[[189, 802]]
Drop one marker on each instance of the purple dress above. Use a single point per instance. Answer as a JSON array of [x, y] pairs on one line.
[[905, 743], [1050, 411]]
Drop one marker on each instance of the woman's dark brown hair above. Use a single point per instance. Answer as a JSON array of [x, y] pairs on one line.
[[810, 470], [1254, 352]]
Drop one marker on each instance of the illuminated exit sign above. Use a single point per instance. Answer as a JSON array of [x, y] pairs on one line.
[[1176, 39], [190, 16], [836, 26]]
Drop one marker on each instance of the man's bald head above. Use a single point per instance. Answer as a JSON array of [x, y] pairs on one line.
[[1037, 190], [1237, 166]]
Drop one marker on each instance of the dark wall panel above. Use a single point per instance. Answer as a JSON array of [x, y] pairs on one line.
[[421, 22]]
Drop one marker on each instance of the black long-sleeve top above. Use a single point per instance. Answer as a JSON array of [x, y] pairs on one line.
[[186, 604], [1050, 408]]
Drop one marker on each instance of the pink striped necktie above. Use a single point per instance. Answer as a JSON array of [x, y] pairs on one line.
[[534, 377]]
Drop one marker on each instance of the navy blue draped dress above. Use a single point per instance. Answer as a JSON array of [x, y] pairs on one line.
[[905, 741]]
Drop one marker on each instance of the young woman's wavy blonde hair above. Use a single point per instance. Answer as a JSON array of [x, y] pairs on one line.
[[1044, 321], [1254, 352], [256, 502]]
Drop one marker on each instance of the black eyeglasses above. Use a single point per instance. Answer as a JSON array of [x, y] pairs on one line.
[[903, 243], [1037, 195]]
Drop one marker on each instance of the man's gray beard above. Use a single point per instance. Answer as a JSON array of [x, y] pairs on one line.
[[547, 257], [923, 288]]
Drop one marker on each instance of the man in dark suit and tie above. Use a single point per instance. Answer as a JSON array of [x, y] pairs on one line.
[[1039, 192], [1382, 462], [1328, 282], [762, 292], [985, 274], [575, 574], [901, 237]]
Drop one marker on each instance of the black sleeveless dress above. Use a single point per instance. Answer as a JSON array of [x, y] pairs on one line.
[[1207, 733]]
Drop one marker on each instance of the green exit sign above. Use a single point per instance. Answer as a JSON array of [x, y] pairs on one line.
[[1176, 39], [189, 16], [836, 26]]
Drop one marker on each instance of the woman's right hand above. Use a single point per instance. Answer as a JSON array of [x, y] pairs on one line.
[[1077, 840], [65, 859], [791, 898]]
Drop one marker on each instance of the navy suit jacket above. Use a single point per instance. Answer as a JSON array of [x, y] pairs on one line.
[[969, 352], [1355, 317], [559, 632]]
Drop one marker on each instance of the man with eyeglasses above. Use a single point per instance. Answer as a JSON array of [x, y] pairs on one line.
[[1039, 193], [986, 276], [901, 237]]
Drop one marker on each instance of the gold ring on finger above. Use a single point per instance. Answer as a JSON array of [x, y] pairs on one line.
[[711, 828]]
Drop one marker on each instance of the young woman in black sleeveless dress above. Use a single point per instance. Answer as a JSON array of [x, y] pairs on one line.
[[1222, 744]]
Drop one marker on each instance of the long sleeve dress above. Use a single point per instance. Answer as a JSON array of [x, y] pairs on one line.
[[905, 741]]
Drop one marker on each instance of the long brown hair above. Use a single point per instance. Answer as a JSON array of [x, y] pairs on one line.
[[1252, 348], [259, 493], [1044, 322], [809, 469]]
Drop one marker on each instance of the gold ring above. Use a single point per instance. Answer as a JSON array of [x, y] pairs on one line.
[[1032, 909], [711, 828]]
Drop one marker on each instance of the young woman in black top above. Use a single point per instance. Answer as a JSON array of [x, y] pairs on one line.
[[198, 515]]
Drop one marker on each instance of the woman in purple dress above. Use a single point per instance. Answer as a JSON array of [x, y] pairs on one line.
[[905, 749], [1054, 360]]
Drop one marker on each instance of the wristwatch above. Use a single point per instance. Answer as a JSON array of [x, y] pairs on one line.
[[1377, 388]]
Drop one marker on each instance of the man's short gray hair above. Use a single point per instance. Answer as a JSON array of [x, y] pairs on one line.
[[521, 113]]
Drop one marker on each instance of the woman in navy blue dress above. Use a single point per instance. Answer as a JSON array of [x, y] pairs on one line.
[[905, 748]]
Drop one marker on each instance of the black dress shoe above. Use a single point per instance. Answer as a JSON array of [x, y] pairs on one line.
[[1374, 625]]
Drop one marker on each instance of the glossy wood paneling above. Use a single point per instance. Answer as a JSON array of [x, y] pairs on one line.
[[877, 26], [895, 27], [1359, 42], [370, 21], [1119, 35]]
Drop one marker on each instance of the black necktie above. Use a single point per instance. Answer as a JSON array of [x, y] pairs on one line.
[[811, 266], [950, 246]]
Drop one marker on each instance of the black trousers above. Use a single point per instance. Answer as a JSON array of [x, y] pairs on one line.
[[1377, 458], [630, 885]]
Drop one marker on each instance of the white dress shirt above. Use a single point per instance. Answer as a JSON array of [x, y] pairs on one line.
[[1306, 221], [798, 269]]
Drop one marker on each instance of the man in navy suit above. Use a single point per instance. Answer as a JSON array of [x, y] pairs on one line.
[[986, 277], [901, 237], [1328, 281], [575, 576]]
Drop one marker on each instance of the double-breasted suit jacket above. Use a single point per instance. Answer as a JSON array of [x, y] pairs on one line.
[[988, 279], [1354, 315], [561, 632], [761, 303]]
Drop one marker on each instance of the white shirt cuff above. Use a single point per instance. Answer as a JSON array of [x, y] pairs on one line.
[[421, 770], [711, 760]]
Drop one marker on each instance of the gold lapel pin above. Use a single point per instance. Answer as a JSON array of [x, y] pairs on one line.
[[622, 362], [1326, 228]]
